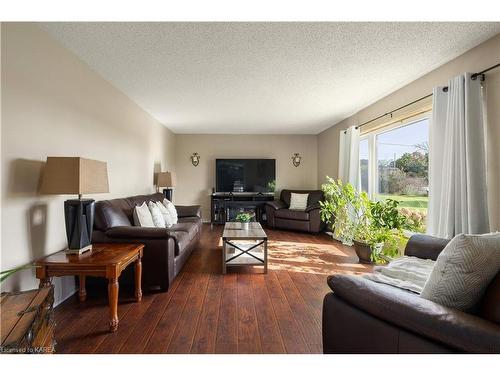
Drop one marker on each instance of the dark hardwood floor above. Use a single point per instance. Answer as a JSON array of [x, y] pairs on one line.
[[207, 312]]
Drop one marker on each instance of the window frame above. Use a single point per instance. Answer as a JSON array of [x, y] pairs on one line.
[[371, 136]]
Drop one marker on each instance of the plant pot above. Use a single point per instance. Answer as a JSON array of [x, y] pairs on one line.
[[245, 226], [363, 251]]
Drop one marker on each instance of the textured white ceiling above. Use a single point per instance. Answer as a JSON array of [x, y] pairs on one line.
[[263, 77]]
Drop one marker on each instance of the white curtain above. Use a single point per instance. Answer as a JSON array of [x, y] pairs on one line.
[[349, 156], [457, 160]]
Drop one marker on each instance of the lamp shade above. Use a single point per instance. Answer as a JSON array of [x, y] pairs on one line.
[[166, 179], [74, 175]]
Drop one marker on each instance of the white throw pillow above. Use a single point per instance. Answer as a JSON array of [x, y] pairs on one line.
[[463, 271], [298, 201], [169, 220], [171, 210], [142, 216], [156, 214]]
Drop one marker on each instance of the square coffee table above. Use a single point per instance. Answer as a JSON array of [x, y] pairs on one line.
[[244, 246]]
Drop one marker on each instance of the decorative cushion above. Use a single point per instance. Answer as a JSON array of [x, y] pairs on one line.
[[156, 214], [298, 201], [142, 216], [171, 210], [463, 271], [167, 218]]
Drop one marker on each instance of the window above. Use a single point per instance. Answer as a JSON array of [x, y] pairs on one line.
[[394, 164]]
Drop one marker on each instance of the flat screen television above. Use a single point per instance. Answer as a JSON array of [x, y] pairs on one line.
[[245, 175]]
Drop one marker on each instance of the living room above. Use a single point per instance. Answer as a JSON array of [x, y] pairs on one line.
[[250, 188]]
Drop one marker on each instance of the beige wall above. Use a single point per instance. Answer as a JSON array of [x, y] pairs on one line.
[[477, 59], [195, 183], [54, 104]]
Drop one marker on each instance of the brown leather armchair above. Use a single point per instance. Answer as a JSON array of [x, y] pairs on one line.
[[279, 216], [362, 316], [166, 249]]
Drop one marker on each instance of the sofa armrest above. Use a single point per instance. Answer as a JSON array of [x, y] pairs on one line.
[[188, 211], [409, 311], [276, 204], [424, 246], [137, 232], [312, 207]]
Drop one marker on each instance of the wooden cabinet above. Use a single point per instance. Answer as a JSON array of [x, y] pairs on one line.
[[27, 322]]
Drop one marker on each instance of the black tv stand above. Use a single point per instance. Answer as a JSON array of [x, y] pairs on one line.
[[225, 206]]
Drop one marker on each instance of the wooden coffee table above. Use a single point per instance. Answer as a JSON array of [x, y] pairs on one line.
[[244, 246], [104, 260]]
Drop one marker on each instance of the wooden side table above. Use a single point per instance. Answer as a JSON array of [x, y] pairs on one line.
[[104, 260]]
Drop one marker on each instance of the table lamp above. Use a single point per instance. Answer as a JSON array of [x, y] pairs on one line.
[[167, 180], [75, 175]]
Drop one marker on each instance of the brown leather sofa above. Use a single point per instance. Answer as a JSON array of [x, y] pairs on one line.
[[166, 250], [279, 216], [362, 316]]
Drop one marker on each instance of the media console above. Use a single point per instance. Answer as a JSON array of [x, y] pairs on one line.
[[225, 206]]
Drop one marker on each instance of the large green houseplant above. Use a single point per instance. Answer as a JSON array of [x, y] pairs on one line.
[[341, 208], [375, 228]]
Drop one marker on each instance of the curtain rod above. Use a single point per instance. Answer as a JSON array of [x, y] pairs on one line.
[[473, 76]]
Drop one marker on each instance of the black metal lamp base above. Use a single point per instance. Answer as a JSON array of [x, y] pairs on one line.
[[169, 193], [79, 217]]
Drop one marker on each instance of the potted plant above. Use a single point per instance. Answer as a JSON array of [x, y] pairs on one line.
[[342, 208], [378, 232], [244, 218], [375, 228], [372, 243]]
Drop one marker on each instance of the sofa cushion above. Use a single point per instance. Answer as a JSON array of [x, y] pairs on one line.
[[196, 220], [463, 271], [188, 211], [425, 246], [291, 214], [189, 228], [112, 213], [137, 200]]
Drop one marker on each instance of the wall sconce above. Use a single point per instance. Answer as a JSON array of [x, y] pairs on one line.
[[195, 159], [296, 158]]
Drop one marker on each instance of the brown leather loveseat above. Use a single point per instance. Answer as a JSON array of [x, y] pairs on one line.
[[362, 316], [279, 216], [166, 250]]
